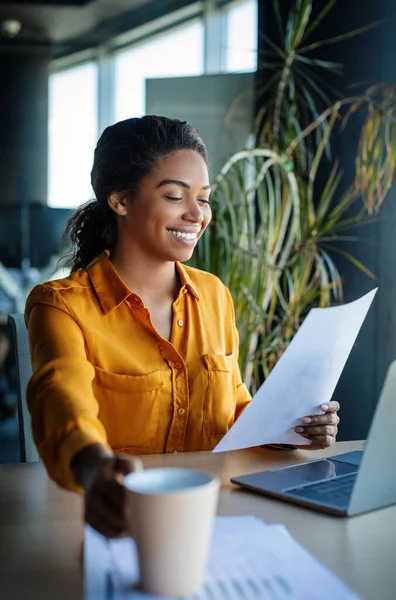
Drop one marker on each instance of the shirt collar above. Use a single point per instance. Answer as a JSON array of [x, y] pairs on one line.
[[111, 289], [186, 280]]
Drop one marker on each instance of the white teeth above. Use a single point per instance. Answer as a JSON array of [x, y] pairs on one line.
[[187, 236]]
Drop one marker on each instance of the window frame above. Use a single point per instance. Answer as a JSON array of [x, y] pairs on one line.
[[84, 60], [147, 40], [211, 12]]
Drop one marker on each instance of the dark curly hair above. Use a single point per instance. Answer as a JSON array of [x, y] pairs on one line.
[[125, 153]]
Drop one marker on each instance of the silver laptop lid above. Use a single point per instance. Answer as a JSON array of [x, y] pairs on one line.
[[375, 484]]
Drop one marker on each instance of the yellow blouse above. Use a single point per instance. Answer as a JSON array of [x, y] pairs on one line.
[[103, 374]]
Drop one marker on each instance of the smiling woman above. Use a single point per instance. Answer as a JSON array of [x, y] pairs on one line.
[[134, 353], [167, 215]]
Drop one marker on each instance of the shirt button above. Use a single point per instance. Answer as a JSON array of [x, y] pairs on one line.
[[181, 411], [178, 365], [184, 290], [180, 322]]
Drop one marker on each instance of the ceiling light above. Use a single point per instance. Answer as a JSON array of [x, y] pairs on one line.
[[10, 27]]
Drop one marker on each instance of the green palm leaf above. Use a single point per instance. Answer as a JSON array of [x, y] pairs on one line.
[[276, 231]]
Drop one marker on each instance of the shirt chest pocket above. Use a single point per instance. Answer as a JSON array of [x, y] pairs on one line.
[[220, 397], [129, 407]]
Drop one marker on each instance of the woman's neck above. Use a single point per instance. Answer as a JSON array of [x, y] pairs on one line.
[[147, 278]]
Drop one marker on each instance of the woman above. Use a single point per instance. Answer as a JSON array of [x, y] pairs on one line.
[[134, 353]]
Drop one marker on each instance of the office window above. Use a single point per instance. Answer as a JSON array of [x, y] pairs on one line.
[[74, 103], [174, 54], [241, 36], [72, 130]]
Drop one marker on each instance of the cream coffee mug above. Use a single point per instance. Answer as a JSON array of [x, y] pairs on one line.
[[170, 515]]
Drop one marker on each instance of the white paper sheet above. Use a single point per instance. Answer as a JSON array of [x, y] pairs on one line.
[[304, 378], [249, 560]]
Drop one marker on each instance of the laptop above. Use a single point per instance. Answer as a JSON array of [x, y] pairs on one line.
[[348, 484]]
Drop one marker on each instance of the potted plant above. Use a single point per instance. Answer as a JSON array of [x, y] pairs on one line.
[[276, 223]]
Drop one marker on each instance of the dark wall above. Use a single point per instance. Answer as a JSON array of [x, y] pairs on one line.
[[24, 70], [32, 232], [368, 58], [23, 122]]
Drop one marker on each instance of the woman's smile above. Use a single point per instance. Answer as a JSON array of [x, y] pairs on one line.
[[182, 236]]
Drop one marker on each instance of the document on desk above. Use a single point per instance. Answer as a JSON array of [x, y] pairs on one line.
[[249, 560], [304, 378]]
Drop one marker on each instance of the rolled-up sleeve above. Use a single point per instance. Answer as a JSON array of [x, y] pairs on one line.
[[60, 397]]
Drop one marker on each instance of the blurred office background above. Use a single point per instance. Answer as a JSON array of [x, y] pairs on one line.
[[69, 68]]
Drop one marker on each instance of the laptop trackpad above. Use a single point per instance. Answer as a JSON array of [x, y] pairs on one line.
[[280, 479]]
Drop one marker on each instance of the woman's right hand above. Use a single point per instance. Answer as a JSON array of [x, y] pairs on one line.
[[101, 475]]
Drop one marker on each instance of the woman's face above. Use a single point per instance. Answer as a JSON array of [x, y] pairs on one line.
[[170, 211]]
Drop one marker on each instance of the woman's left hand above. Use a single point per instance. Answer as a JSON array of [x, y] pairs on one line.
[[320, 429]]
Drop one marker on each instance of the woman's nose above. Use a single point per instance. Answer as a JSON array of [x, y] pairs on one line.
[[194, 213]]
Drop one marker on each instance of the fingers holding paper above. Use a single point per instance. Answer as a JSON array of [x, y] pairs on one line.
[[320, 429]]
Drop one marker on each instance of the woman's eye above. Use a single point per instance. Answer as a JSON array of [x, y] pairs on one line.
[[178, 198]]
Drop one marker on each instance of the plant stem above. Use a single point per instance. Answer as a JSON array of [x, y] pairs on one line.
[[279, 97]]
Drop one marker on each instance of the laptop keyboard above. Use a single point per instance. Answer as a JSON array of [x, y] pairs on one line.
[[335, 491]]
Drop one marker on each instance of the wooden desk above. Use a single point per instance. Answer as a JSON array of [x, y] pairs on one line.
[[41, 528]]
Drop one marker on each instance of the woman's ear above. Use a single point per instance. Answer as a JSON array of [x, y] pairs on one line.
[[118, 203]]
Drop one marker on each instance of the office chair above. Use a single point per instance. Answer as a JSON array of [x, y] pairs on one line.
[[24, 372]]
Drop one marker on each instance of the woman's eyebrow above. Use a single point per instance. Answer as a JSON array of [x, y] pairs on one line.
[[179, 183]]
